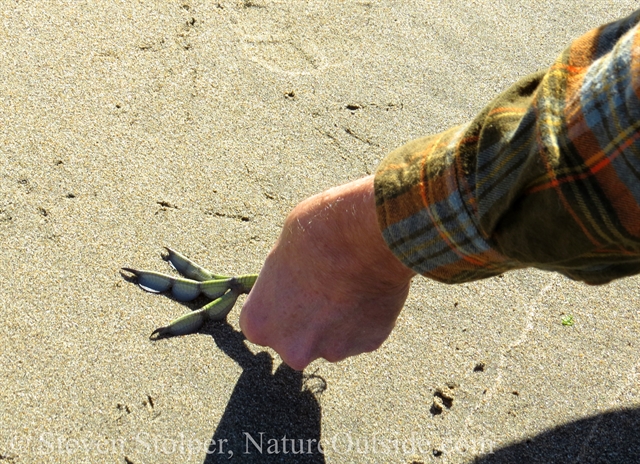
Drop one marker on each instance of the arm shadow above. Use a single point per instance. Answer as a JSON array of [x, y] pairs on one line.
[[270, 417]]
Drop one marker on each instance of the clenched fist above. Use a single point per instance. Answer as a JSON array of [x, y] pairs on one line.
[[330, 288]]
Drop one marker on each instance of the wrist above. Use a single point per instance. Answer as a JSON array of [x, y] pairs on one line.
[[368, 235], [349, 211]]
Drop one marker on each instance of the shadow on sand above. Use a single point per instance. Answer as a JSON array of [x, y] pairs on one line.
[[611, 438], [276, 417], [270, 417]]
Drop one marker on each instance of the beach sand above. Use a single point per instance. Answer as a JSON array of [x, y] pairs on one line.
[[129, 126]]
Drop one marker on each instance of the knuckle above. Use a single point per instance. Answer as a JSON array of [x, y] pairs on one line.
[[335, 354], [295, 357], [373, 345], [254, 332]]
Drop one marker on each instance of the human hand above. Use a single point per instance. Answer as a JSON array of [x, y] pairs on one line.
[[330, 287]]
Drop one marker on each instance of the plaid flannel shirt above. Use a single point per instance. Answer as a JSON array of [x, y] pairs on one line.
[[546, 176]]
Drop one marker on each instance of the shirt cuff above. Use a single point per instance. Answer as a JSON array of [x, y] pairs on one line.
[[425, 220]]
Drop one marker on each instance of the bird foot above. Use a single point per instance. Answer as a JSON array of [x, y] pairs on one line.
[[223, 290]]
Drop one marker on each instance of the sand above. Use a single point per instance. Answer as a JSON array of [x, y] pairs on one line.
[[128, 126]]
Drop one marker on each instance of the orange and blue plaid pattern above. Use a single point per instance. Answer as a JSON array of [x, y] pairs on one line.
[[546, 176]]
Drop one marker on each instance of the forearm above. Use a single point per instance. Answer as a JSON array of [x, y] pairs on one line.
[[537, 179]]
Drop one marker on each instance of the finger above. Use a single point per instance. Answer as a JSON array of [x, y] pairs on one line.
[[297, 354], [296, 349], [253, 322]]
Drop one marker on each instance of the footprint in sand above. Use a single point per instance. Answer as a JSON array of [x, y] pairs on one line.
[[290, 38]]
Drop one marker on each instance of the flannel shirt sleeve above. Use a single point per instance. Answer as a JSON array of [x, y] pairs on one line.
[[546, 176]]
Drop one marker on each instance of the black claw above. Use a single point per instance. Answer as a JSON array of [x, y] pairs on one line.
[[162, 332], [129, 278]]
